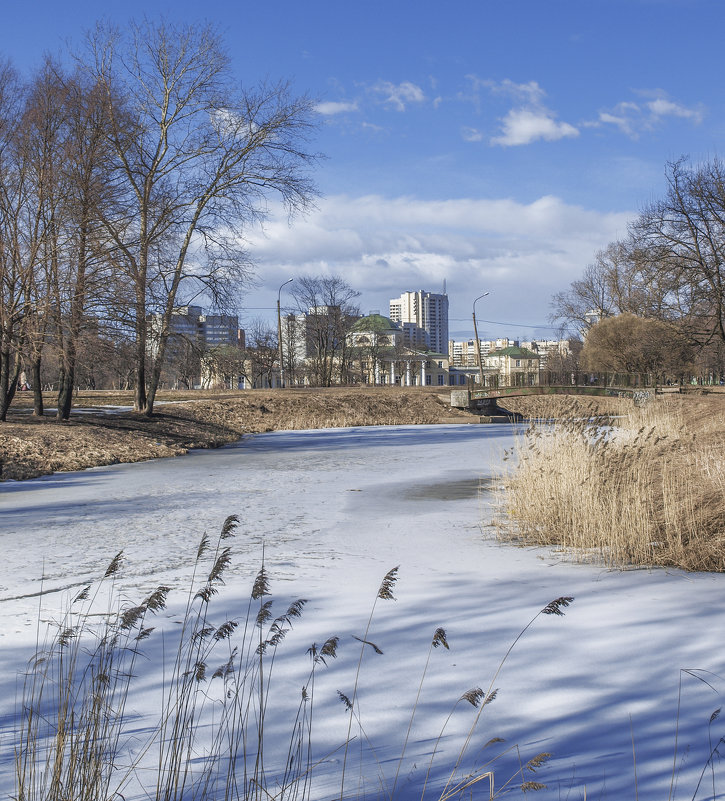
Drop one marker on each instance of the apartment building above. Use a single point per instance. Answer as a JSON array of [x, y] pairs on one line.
[[192, 334], [548, 349], [429, 312], [202, 331], [463, 353]]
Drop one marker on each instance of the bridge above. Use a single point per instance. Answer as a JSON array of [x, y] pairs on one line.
[[640, 388]]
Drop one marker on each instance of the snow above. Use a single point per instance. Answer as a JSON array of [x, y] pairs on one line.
[[332, 511]]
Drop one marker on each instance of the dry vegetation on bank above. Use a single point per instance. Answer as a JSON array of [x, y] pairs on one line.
[[648, 491], [31, 447]]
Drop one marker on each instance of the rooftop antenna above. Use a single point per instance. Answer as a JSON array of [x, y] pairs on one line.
[[444, 286]]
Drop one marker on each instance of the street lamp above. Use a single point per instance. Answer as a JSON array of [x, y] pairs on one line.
[[279, 330], [478, 341]]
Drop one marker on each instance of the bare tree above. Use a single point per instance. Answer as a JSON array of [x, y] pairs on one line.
[[63, 137], [261, 354], [326, 313], [21, 237], [624, 277], [222, 365], [196, 160], [683, 237]]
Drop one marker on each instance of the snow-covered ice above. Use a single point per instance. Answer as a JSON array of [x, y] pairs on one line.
[[334, 510]]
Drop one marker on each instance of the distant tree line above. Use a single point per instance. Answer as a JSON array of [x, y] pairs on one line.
[[127, 182], [654, 301]]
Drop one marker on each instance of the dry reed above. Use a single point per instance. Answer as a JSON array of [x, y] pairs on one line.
[[76, 736], [647, 490]]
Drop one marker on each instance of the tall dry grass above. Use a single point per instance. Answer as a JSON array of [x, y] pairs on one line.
[[215, 728], [647, 489]]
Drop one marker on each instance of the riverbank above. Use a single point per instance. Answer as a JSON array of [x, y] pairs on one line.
[[103, 430]]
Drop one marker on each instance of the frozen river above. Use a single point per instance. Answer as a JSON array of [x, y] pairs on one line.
[[332, 511]]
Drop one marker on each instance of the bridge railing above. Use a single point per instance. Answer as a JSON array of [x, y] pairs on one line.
[[584, 379], [553, 378]]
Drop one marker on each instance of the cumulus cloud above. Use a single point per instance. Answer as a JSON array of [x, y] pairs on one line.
[[399, 95], [524, 126], [329, 108], [522, 252], [529, 121]]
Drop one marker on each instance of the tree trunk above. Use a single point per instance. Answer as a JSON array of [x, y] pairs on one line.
[[8, 381], [140, 401], [38, 410], [65, 394]]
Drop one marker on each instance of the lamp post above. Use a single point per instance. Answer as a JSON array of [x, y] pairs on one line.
[[478, 341], [279, 330]]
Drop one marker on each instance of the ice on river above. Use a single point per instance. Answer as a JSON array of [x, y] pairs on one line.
[[332, 511]]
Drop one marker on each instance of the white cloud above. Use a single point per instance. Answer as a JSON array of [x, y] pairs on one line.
[[398, 95], [522, 252], [329, 108], [528, 122], [624, 122], [662, 107], [529, 92], [632, 119], [523, 126]]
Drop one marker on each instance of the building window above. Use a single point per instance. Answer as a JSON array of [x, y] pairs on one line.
[[428, 382], [440, 364], [441, 379], [518, 362]]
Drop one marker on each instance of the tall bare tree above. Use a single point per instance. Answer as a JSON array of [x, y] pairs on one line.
[[196, 160], [64, 141], [326, 311], [682, 236], [21, 236], [624, 277]]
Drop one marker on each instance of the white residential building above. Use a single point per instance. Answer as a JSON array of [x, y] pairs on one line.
[[428, 311], [463, 353], [302, 333], [546, 349]]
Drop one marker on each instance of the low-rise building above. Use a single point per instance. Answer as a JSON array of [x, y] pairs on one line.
[[515, 366], [380, 356]]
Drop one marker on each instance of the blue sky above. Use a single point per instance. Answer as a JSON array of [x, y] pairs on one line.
[[496, 145]]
